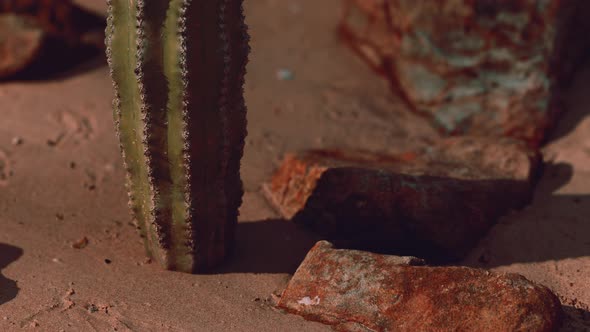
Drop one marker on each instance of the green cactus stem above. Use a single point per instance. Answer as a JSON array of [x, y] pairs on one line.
[[178, 70]]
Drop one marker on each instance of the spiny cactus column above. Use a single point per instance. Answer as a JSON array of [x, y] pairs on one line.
[[178, 69]]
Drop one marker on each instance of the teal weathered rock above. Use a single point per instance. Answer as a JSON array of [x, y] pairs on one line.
[[487, 68]]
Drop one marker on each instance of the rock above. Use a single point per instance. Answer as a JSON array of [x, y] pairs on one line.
[[435, 203], [21, 41], [486, 68], [60, 19], [360, 291], [81, 243], [52, 35]]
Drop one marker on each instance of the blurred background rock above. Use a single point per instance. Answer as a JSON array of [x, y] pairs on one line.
[[45, 39]]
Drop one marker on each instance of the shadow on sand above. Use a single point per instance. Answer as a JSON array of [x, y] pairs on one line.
[[8, 288], [269, 246]]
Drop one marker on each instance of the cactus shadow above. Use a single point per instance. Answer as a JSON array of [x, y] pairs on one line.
[[269, 246], [8, 288]]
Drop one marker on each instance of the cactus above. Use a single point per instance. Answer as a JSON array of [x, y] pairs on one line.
[[178, 70]]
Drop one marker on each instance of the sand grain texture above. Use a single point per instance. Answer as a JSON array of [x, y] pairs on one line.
[[65, 181]]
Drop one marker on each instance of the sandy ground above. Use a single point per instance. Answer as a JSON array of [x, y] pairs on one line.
[[66, 182]]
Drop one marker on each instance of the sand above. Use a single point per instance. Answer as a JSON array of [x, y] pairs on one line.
[[61, 179]]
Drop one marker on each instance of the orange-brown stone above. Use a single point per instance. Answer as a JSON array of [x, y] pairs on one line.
[[438, 203], [359, 291]]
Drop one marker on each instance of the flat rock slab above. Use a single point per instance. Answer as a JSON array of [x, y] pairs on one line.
[[435, 203], [489, 68], [359, 291]]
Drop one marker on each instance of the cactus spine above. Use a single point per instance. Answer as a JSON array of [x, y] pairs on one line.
[[178, 70]]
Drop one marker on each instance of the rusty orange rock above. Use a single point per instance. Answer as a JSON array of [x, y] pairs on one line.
[[437, 204], [359, 291]]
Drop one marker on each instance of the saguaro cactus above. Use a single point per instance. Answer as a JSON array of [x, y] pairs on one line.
[[178, 70]]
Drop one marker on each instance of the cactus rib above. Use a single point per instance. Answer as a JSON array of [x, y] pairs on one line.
[[121, 51]]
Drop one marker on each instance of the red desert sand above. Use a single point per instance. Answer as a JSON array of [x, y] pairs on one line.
[[62, 181]]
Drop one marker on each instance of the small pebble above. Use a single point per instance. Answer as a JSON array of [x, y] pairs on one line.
[[285, 75], [81, 243], [17, 140]]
